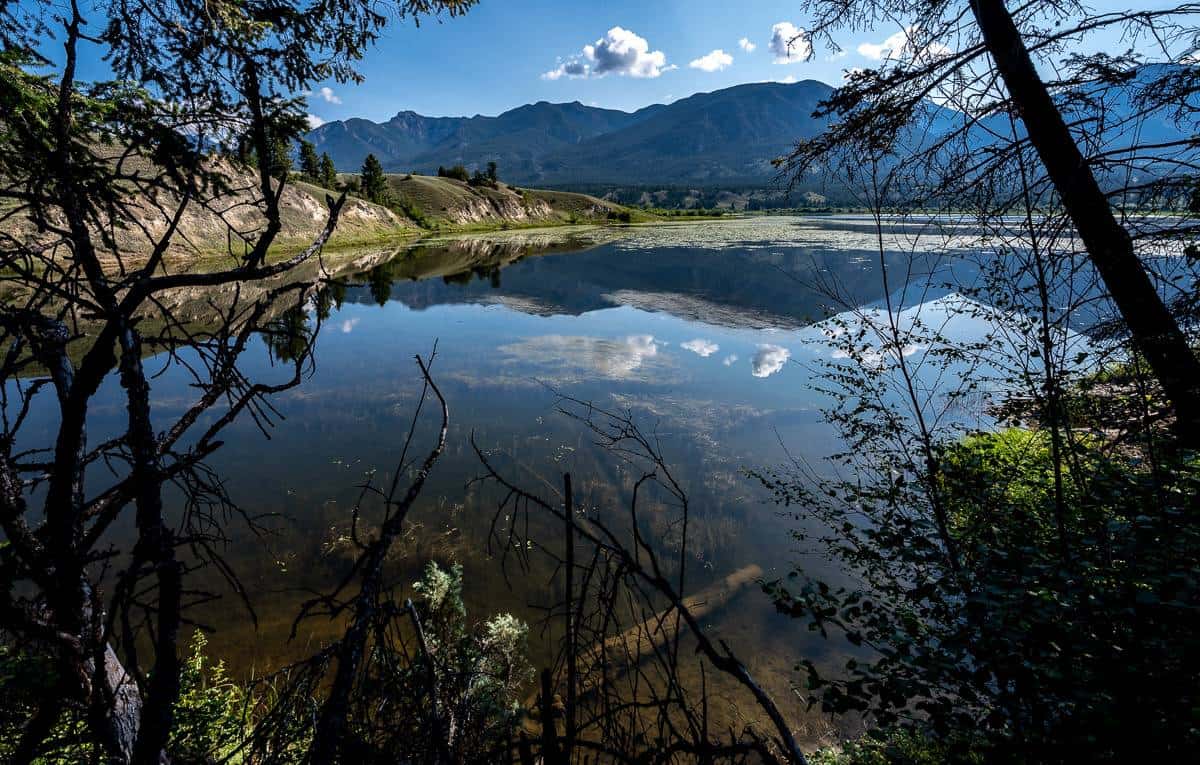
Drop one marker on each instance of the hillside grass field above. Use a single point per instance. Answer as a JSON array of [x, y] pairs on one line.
[[446, 203], [418, 205]]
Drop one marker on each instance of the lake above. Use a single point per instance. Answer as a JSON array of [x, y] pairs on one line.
[[707, 334]]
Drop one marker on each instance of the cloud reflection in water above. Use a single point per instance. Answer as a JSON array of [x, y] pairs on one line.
[[619, 358], [769, 359], [701, 347]]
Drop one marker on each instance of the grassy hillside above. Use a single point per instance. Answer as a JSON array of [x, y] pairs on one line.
[[446, 203], [304, 213], [419, 205]]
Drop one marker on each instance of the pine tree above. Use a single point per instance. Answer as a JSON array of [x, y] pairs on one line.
[[281, 157], [328, 174], [309, 164], [373, 184]]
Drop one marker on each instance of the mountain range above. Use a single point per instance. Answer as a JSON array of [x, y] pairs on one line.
[[726, 137]]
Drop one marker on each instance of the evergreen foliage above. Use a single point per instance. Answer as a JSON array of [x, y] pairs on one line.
[[328, 173], [310, 166], [457, 172], [373, 183]]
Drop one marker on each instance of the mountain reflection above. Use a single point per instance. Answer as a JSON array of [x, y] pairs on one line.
[[784, 286]]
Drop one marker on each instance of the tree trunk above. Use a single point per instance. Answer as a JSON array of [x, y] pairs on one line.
[[1155, 332], [155, 546], [126, 714]]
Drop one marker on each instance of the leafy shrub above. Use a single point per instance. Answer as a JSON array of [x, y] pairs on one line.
[[480, 179], [1067, 622], [472, 675], [898, 747], [211, 715], [213, 712], [412, 210], [25, 680]]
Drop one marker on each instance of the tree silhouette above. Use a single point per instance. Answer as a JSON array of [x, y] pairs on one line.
[[1092, 163], [98, 179]]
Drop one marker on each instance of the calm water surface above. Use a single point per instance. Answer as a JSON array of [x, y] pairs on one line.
[[704, 332]]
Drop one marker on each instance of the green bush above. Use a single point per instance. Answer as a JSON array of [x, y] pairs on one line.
[[1061, 619], [406, 205], [898, 747], [213, 712], [27, 679]]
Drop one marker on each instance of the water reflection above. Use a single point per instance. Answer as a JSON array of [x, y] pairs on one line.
[[767, 283], [559, 357], [769, 359], [701, 347], [710, 334]]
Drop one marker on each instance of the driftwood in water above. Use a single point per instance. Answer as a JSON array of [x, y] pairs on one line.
[[653, 633], [647, 636]]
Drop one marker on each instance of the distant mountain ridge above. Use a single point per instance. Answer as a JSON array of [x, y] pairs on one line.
[[727, 136]]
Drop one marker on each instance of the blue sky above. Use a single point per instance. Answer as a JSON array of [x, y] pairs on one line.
[[621, 54], [499, 56], [495, 57]]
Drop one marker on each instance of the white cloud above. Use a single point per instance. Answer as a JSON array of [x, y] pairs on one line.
[[701, 347], [746, 45], [619, 51], [571, 68], [730, 360], [789, 43], [326, 94], [314, 121], [769, 359], [880, 51], [349, 324], [900, 46], [713, 62]]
